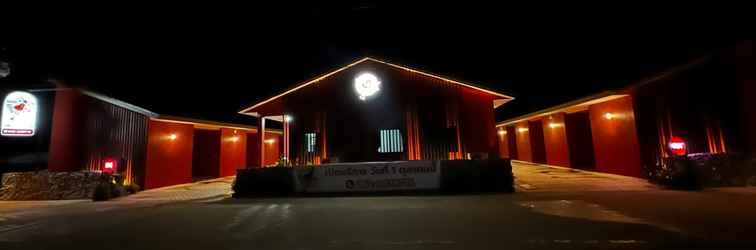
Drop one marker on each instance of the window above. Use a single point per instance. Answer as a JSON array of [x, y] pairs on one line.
[[391, 141], [310, 142]]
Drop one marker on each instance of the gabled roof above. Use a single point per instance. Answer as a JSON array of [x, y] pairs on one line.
[[505, 98]]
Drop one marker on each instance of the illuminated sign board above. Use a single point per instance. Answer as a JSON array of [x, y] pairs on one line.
[[19, 117]]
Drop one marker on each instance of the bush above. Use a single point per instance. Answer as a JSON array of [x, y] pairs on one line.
[[696, 171], [133, 188], [274, 181], [103, 192], [463, 176], [684, 174]]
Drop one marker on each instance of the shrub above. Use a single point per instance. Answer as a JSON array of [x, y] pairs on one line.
[[492, 175], [273, 181], [133, 188], [102, 192]]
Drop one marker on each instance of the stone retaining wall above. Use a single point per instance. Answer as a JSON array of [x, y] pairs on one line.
[[44, 185]]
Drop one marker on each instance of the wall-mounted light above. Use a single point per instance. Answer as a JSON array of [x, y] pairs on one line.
[[366, 84], [288, 118], [173, 137], [270, 141], [234, 131], [522, 130], [555, 125], [502, 132]]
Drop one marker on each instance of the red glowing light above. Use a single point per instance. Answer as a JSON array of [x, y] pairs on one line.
[[677, 146], [109, 166]]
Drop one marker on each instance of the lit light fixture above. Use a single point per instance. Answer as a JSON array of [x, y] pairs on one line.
[[235, 139], [288, 118], [366, 84], [609, 116], [109, 166], [270, 141], [522, 130], [555, 125], [234, 131], [678, 146], [173, 137], [502, 132]]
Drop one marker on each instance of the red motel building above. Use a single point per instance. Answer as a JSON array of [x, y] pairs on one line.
[[372, 110], [706, 106]]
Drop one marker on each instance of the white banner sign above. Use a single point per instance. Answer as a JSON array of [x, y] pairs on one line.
[[369, 176], [19, 117]]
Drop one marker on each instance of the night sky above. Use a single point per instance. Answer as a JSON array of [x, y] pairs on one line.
[[209, 62]]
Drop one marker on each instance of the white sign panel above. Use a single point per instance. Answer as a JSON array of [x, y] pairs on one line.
[[369, 176], [19, 117]]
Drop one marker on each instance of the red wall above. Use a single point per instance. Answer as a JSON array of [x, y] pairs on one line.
[[253, 150], [233, 150], [555, 138], [169, 162], [65, 143], [206, 153], [503, 143], [523, 142], [614, 140], [272, 150]]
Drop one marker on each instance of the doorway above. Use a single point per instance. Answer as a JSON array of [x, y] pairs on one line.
[[580, 140]]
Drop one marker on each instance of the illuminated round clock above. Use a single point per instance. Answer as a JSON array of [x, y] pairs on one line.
[[366, 84]]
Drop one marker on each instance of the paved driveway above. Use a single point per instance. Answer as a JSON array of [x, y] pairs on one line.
[[530, 177]]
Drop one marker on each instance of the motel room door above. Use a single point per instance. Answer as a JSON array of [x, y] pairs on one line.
[[580, 140]]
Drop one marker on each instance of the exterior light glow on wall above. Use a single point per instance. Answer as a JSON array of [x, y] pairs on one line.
[[366, 84], [609, 116], [522, 130], [288, 118], [235, 139], [502, 132], [678, 146], [270, 141], [173, 137], [19, 117], [555, 125]]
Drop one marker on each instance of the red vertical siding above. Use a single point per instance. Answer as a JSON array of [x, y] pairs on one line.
[[65, 143], [478, 128], [749, 102], [169, 162], [523, 142], [555, 138], [233, 151], [614, 140]]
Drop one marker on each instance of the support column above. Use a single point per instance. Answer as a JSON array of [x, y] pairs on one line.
[[286, 137], [261, 140]]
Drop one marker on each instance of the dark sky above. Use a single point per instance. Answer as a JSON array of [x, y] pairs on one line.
[[209, 61]]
